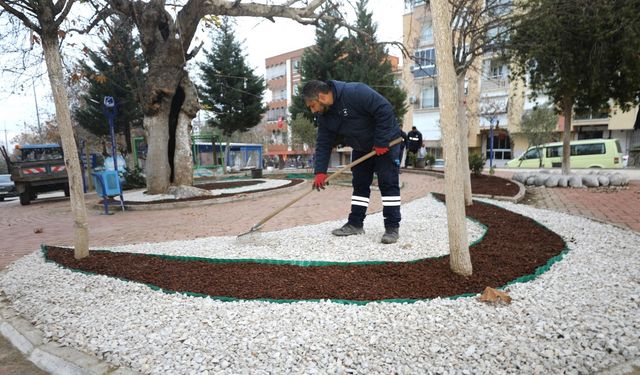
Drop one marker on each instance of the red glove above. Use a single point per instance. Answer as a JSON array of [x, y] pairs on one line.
[[380, 150], [320, 181]]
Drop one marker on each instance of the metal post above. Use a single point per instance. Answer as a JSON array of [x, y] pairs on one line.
[[491, 143], [110, 110]]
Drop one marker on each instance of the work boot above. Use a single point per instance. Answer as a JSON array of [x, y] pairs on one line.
[[390, 235], [347, 230]]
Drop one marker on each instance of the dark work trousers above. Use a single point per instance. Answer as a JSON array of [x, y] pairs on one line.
[[386, 167]]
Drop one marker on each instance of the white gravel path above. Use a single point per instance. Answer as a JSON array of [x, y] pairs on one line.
[[581, 316]]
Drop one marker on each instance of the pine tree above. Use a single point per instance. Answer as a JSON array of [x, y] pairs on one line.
[[369, 63], [323, 61], [230, 90], [115, 70]]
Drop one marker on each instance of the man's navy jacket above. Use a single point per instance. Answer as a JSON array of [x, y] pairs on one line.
[[361, 115]]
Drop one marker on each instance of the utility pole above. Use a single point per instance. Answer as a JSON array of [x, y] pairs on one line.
[[35, 98], [6, 143]]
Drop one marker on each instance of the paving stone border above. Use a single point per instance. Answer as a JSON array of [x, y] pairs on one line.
[[246, 195]]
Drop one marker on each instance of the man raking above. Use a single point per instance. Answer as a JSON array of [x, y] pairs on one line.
[[365, 121]]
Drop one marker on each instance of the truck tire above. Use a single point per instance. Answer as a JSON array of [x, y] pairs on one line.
[[25, 198]]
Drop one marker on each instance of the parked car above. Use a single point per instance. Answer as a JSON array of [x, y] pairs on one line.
[[588, 153], [7, 187]]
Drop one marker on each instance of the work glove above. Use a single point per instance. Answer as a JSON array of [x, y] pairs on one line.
[[320, 181], [380, 150]]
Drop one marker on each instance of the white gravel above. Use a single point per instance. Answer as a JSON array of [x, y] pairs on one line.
[[267, 183], [580, 316]]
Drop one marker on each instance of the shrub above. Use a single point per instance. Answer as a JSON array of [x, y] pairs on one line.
[[411, 159], [133, 178], [430, 159], [476, 163]]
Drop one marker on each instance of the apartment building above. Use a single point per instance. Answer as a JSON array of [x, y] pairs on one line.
[[495, 104], [282, 78]]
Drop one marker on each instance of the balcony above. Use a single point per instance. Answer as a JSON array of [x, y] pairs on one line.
[[279, 103]]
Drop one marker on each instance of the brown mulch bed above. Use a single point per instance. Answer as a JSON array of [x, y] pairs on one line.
[[487, 184], [218, 185], [493, 185], [514, 246]]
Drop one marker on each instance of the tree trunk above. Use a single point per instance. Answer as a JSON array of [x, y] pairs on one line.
[[567, 109], [463, 129], [157, 166], [71, 159], [183, 157], [460, 260]]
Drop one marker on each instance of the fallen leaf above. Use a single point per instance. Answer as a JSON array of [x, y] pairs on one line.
[[494, 296], [38, 230]]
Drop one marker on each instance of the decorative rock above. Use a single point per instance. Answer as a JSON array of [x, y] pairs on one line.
[[531, 180], [575, 181], [563, 181], [552, 181], [618, 179], [184, 191], [540, 180], [590, 181], [603, 180]]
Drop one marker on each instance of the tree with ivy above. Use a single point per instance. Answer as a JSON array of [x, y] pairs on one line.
[[369, 63], [115, 70], [231, 92]]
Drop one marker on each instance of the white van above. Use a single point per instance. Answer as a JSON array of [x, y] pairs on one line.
[[586, 153]]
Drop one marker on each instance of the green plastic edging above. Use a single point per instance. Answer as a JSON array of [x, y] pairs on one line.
[[538, 271]]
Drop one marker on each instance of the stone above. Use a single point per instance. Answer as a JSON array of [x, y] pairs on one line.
[[552, 181], [563, 181], [575, 181], [618, 179], [183, 191], [540, 180], [603, 180], [590, 181]]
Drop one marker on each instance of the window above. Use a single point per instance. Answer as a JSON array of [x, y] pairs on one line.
[[426, 34], [429, 97], [497, 69], [426, 57], [588, 149], [532, 154], [501, 147], [554, 152]]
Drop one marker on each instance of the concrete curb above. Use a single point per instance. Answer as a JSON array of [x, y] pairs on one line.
[[50, 356], [204, 202]]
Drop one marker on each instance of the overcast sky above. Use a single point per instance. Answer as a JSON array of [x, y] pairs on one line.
[[261, 39]]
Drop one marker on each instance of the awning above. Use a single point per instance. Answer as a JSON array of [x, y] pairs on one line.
[[286, 152]]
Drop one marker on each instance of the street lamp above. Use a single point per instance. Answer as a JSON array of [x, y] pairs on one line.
[[110, 110], [491, 140]]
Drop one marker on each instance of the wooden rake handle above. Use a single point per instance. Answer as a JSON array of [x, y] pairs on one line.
[[333, 176]]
